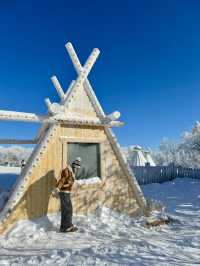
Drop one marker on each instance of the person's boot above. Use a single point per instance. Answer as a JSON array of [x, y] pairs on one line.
[[72, 228], [69, 229]]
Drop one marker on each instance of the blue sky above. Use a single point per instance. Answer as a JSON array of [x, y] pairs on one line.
[[148, 69]]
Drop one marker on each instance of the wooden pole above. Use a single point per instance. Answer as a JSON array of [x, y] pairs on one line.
[[113, 116], [61, 118], [87, 68], [21, 116], [68, 91], [58, 87], [48, 104], [82, 76]]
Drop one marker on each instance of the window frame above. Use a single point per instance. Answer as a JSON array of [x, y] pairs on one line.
[[68, 140], [97, 154]]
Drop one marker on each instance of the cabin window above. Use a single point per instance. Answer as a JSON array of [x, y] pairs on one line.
[[90, 155]]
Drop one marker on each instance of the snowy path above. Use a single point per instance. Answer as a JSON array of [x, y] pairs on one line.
[[110, 239]]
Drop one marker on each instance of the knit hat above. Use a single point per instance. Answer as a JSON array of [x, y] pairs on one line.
[[77, 162]]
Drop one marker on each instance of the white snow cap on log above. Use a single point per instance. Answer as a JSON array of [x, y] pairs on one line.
[[48, 104], [113, 116]]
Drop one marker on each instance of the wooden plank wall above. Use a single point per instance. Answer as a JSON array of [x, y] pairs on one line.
[[113, 191]]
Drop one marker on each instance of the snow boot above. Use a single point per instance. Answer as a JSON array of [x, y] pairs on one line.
[[70, 229]]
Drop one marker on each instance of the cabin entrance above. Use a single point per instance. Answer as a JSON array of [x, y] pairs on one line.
[[90, 155]]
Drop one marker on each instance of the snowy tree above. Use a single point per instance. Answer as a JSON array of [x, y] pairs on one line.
[[166, 153], [186, 153]]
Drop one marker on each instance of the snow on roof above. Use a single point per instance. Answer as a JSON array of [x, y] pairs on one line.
[[138, 158], [149, 158]]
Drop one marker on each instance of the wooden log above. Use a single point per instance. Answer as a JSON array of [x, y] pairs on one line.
[[58, 118], [21, 116], [115, 124], [87, 68], [48, 104], [73, 57], [69, 90], [58, 87], [113, 116]]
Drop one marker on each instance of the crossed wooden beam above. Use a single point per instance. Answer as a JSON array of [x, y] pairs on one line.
[[57, 113]]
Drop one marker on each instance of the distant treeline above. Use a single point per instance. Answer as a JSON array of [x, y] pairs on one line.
[[13, 155]]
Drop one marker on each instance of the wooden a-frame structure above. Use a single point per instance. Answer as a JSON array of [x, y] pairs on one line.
[[77, 118]]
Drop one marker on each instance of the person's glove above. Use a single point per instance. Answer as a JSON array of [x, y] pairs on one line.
[[55, 192]]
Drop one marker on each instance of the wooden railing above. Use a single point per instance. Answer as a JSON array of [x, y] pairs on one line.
[[159, 174]]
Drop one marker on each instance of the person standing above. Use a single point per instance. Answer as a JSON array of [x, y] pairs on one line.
[[76, 165], [63, 188], [23, 163]]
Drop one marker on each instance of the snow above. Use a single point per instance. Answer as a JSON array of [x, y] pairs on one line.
[[136, 156], [149, 158], [185, 152], [110, 238], [91, 180], [10, 170]]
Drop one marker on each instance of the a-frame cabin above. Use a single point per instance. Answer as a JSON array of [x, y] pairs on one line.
[[75, 126]]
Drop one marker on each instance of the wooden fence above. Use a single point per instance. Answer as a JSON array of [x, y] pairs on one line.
[[159, 174]]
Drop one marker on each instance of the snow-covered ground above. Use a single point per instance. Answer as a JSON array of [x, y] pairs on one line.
[[10, 170], [108, 238]]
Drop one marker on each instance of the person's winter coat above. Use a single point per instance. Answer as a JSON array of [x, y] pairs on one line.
[[66, 180]]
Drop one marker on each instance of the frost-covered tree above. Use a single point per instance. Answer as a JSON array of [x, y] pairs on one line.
[[166, 153], [186, 153]]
